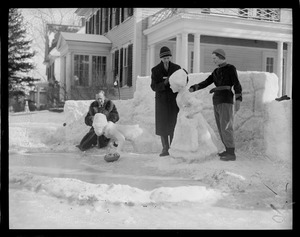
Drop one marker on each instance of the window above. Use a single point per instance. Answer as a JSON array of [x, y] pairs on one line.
[[98, 70], [81, 70], [122, 65], [269, 64]]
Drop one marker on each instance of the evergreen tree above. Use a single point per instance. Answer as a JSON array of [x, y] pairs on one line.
[[19, 53]]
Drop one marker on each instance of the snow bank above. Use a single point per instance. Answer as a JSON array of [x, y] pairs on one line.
[[86, 193], [139, 110], [263, 126]]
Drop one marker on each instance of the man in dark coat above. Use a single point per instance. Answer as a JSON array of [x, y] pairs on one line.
[[224, 77], [100, 105], [166, 108]]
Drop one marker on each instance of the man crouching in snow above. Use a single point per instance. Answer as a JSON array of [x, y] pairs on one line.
[[105, 107], [116, 132]]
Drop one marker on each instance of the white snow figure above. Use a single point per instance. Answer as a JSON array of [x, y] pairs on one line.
[[116, 132], [192, 135]]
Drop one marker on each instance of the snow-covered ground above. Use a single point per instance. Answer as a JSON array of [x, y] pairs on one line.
[[53, 185]]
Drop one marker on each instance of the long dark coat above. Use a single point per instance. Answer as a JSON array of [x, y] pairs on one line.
[[166, 108]]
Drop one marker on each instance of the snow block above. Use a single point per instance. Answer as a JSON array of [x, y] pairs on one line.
[[263, 126]]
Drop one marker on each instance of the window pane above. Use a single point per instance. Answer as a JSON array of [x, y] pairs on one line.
[[81, 69]]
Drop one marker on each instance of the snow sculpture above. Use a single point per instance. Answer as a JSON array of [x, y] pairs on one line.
[[193, 137], [116, 132]]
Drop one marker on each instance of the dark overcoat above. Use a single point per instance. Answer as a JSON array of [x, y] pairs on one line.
[[166, 108]]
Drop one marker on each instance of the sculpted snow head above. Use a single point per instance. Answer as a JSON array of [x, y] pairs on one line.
[[178, 80], [99, 122]]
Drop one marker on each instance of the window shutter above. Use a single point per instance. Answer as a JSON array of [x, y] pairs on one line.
[[98, 22], [121, 67], [101, 21], [90, 25], [116, 62], [117, 16], [87, 27], [110, 18], [106, 20], [130, 59], [122, 14]]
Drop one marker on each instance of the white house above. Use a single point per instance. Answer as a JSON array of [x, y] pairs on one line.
[[121, 43]]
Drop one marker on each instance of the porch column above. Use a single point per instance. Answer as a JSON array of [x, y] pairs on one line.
[[289, 69], [151, 57], [196, 66], [279, 66], [184, 52], [178, 49], [69, 79]]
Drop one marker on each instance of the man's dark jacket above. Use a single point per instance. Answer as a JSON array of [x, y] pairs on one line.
[[90, 139], [225, 75], [108, 108], [166, 108]]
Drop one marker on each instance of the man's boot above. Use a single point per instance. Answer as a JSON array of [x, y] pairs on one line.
[[224, 153], [165, 145], [229, 156]]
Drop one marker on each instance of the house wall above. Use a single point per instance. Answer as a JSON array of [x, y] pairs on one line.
[[146, 12], [120, 36], [244, 58]]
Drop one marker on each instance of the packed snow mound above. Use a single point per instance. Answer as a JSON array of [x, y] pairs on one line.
[[263, 126], [86, 193], [139, 110]]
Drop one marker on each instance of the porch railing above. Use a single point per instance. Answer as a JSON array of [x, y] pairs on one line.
[[163, 15], [263, 14]]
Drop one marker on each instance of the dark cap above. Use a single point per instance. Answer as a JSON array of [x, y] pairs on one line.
[[164, 52], [220, 51]]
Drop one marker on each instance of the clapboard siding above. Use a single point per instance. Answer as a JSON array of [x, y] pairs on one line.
[[122, 33], [244, 58]]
